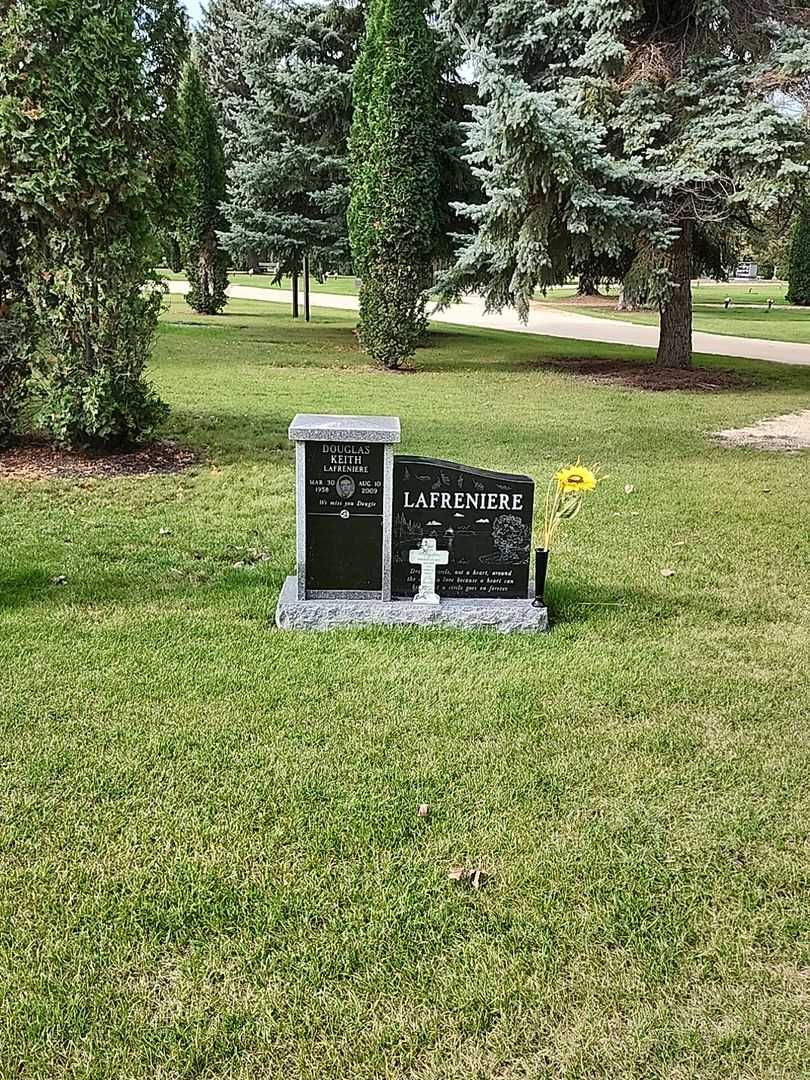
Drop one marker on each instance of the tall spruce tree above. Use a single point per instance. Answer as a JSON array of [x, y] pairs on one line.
[[394, 155], [204, 181], [288, 187], [225, 42], [76, 150], [457, 185], [648, 125]]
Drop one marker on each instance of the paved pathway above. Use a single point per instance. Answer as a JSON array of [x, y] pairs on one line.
[[550, 322]]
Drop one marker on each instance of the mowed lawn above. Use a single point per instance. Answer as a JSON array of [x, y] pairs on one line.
[[342, 285], [212, 863], [740, 291], [747, 315]]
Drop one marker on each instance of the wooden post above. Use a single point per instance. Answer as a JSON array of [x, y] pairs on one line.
[[306, 287]]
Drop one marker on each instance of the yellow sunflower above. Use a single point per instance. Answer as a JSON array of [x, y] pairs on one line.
[[576, 478]]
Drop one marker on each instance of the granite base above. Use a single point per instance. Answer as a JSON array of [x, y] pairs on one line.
[[503, 616]]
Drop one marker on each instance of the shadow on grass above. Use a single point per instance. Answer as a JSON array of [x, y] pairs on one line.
[[446, 345], [575, 603], [232, 438], [442, 356], [256, 588], [252, 592], [225, 320], [29, 587]]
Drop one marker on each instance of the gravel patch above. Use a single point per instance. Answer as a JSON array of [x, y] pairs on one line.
[[788, 434]]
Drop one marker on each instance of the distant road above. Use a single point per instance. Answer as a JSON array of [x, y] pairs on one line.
[[549, 322]]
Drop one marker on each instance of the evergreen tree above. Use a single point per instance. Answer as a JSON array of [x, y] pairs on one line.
[[457, 185], [16, 329], [394, 177], [162, 28], [593, 271], [588, 284], [76, 143], [799, 269], [204, 176], [287, 176], [225, 42], [647, 125]]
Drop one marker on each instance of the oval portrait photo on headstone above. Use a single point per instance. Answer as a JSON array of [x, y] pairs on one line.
[[345, 486]]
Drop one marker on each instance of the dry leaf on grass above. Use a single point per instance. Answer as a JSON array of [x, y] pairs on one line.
[[474, 878], [478, 878]]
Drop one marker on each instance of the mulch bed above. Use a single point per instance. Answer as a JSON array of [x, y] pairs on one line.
[[648, 377], [38, 459]]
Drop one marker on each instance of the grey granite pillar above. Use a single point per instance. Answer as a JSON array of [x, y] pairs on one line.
[[344, 470]]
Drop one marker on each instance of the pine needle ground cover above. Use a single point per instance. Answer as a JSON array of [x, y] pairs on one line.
[[213, 863]]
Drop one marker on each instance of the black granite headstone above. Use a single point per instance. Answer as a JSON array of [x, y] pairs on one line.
[[483, 519], [344, 515]]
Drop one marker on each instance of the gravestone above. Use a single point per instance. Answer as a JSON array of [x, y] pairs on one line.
[[482, 519], [344, 470], [403, 541]]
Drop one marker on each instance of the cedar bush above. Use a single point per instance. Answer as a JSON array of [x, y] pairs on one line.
[[394, 177], [16, 331], [78, 140], [799, 270], [206, 263]]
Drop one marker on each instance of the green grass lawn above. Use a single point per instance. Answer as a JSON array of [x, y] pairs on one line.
[[711, 292], [212, 862], [747, 316], [342, 286], [778, 324], [741, 292]]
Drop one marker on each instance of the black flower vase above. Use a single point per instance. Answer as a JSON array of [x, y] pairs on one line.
[[540, 570]]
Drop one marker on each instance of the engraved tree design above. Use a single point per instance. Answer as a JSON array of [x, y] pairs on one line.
[[511, 537]]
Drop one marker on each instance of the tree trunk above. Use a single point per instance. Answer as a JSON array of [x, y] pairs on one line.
[[175, 254], [623, 304], [675, 342], [588, 285], [306, 287], [252, 262]]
